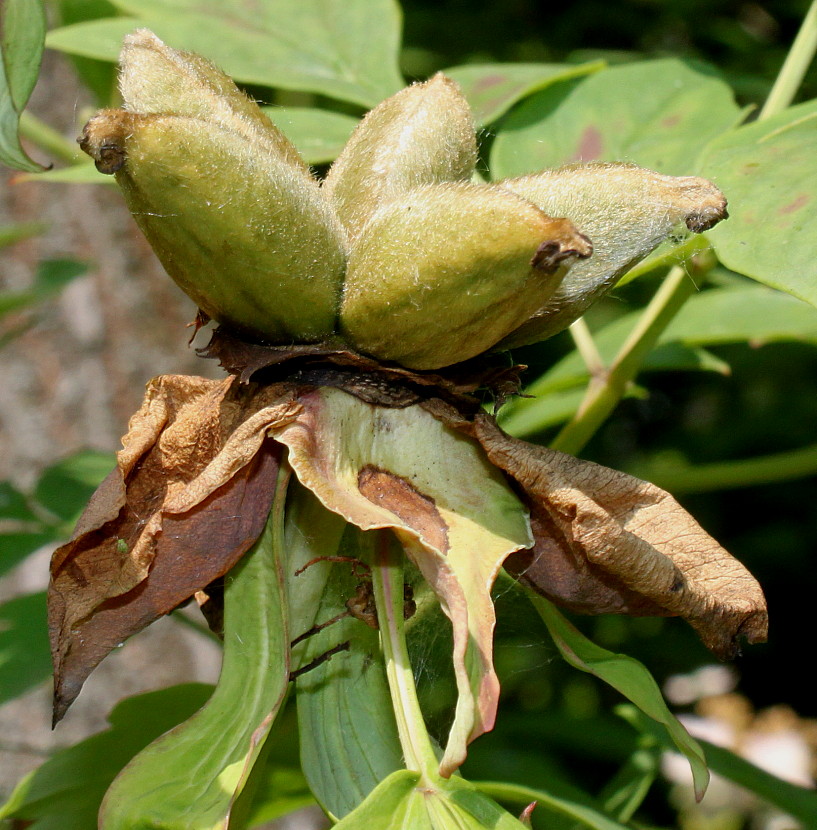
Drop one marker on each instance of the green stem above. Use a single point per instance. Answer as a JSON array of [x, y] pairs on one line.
[[48, 139], [794, 67], [387, 581], [583, 338], [681, 477], [606, 390]]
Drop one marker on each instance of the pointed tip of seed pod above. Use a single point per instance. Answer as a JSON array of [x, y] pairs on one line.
[[552, 253], [142, 39], [707, 217], [103, 139]]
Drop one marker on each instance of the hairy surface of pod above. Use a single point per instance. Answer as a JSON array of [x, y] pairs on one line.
[[446, 271], [422, 135], [627, 211], [231, 211]]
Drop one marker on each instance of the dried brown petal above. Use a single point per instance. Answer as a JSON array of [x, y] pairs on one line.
[[196, 456], [608, 542]]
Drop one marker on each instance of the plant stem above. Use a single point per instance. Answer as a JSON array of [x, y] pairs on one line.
[[48, 139], [583, 338], [387, 581], [607, 389], [682, 477], [794, 67]]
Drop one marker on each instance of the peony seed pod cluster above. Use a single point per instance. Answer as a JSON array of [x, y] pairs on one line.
[[398, 254]]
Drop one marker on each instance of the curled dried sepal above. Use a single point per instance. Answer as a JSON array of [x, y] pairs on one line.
[[444, 272], [421, 135], [241, 230], [190, 494], [610, 543], [627, 211]]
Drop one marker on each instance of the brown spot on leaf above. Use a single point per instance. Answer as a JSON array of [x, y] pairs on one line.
[[801, 201], [591, 145], [402, 498]]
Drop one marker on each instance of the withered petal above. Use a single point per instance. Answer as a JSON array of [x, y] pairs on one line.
[[196, 454], [608, 542]]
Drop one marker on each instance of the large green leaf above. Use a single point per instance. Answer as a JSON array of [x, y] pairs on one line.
[[344, 50], [349, 741], [319, 135], [191, 778], [659, 114], [767, 170], [627, 676], [65, 792], [403, 801], [23, 31], [25, 656], [493, 88]]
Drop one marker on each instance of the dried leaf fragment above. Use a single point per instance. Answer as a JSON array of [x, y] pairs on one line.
[[609, 543], [190, 495]]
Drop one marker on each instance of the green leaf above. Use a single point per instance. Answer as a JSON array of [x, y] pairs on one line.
[[25, 655], [65, 487], [174, 783], [52, 275], [346, 51], [750, 313], [66, 791], [98, 76], [319, 135], [628, 788], [16, 546], [21, 48], [82, 173], [659, 114], [24, 230], [521, 795], [493, 88], [13, 504], [404, 800], [627, 676], [767, 170], [349, 741], [798, 802]]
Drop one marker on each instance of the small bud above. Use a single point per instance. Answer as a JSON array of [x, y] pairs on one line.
[[444, 272], [627, 211], [231, 211], [422, 135]]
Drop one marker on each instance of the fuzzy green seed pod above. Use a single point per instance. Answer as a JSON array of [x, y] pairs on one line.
[[446, 271], [422, 135], [627, 211], [230, 209]]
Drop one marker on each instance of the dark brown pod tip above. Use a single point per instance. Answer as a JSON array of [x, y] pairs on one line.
[[103, 139], [551, 253], [707, 217]]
